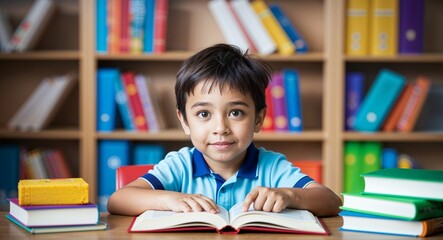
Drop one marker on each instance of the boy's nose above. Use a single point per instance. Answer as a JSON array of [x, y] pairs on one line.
[[221, 126]]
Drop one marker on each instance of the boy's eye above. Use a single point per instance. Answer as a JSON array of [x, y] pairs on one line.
[[236, 113], [202, 114]]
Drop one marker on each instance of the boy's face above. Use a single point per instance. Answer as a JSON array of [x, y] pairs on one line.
[[221, 124]]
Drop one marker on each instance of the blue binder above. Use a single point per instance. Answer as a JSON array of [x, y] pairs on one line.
[[293, 100], [106, 106], [9, 173], [101, 26], [379, 101]]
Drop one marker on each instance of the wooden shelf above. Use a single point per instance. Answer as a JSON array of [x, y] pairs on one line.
[[396, 137], [41, 55], [62, 134], [419, 58]]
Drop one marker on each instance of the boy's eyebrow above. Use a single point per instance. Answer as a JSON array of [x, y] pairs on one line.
[[233, 103]]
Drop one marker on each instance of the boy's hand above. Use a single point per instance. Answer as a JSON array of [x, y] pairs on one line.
[[267, 199], [192, 203]]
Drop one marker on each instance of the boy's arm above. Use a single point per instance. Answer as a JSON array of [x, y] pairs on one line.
[[138, 196], [316, 198]]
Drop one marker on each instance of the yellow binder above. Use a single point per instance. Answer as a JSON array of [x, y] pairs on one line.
[[278, 35], [357, 27], [384, 27]]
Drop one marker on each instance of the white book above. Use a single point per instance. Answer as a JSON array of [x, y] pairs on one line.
[[60, 87], [227, 24], [254, 27], [148, 103], [31, 27], [20, 118], [5, 31]]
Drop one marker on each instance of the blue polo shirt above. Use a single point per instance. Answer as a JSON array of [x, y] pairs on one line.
[[186, 171]]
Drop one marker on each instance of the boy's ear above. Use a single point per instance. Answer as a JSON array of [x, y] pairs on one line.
[[259, 120], [183, 123]]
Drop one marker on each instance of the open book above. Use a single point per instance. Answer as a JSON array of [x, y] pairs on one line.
[[232, 221]]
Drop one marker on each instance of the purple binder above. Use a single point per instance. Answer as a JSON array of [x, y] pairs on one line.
[[411, 25], [354, 90]]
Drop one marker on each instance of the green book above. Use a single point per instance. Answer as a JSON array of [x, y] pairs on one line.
[[395, 207], [418, 183], [371, 152], [353, 167]]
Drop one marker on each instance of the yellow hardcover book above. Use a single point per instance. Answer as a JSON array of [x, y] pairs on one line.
[[53, 191], [278, 35], [384, 27], [357, 27]]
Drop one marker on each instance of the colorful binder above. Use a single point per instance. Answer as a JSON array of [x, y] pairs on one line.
[[384, 29], [411, 26], [357, 27]]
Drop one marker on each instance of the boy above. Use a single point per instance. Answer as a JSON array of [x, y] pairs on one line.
[[220, 95]]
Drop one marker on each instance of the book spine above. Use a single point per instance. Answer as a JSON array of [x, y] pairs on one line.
[[254, 27], [300, 44], [411, 26], [160, 25], [9, 172], [114, 26], [125, 37], [135, 101], [384, 29], [293, 100], [148, 38], [101, 28], [147, 104], [414, 105], [354, 92], [112, 155], [137, 18], [242, 28], [121, 98], [389, 158], [148, 154], [279, 102], [391, 121], [357, 27], [227, 24], [281, 39], [105, 99], [353, 167], [371, 156], [378, 101], [268, 123]]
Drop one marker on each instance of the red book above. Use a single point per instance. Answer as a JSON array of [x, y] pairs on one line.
[[395, 114], [160, 25], [125, 38], [135, 101], [268, 123], [413, 107]]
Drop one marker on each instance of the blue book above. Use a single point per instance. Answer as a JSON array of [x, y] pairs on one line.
[[354, 91], [101, 26], [124, 107], [379, 100], [9, 173], [106, 106], [148, 38], [300, 44], [389, 158], [293, 100], [411, 26], [111, 155], [148, 154]]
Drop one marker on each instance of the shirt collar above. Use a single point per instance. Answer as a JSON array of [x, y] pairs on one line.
[[248, 169]]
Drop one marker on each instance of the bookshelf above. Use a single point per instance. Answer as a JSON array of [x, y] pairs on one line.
[[191, 27]]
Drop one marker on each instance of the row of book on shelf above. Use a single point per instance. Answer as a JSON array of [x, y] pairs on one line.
[[257, 27], [30, 29], [40, 107], [392, 103], [384, 27], [131, 26], [396, 201], [18, 162], [134, 96], [54, 205], [363, 157]]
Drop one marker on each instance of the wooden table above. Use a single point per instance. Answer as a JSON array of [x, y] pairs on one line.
[[118, 225]]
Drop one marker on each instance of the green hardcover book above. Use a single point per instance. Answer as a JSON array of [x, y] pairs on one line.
[[419, 183], [353, 166], [405, 208], [371, 152]]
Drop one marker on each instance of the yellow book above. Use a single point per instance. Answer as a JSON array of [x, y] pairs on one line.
[[357, 27], [53, 191], [384, 14], [278, 35]]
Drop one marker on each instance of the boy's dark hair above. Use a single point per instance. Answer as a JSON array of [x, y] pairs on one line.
[[221, 65]]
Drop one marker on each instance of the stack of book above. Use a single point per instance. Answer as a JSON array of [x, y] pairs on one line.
[[54, 205], [396, 201]]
